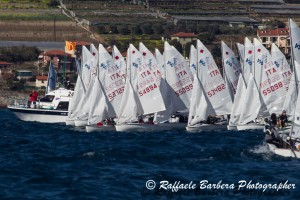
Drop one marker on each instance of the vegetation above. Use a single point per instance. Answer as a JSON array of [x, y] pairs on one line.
[[47, 3], [19, 54], [32, 17]]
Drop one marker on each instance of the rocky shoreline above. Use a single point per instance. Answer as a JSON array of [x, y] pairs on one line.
[[8, 97]]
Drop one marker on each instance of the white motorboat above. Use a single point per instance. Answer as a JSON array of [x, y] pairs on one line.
[[53, 108]]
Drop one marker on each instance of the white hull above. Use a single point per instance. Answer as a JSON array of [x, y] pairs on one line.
[[205, 127], [39, 115], [80, 123], [232, 128], [251, 126], [173, 126], [136, 127], [284, 152], [95, 128], [70, 122]]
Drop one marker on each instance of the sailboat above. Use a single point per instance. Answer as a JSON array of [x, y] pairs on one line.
[[270, 94], [286, 142], [210, 96], [52, 108], [278, 141], [88, 63], [141, 90], [176, 89], [84, 105], [107, 82]]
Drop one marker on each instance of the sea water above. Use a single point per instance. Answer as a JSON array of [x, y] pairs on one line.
[[54, 161]]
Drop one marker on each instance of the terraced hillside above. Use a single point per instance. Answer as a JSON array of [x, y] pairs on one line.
[[28, 20]]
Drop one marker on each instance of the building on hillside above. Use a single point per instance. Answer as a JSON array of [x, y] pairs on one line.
[[41, 81], [5, 67], [24, 74], [279, 36], [184, 38], [59, 58]]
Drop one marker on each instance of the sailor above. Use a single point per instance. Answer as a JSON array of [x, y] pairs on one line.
[[282, 119], [32, 98], [34, 95], [273, 120]]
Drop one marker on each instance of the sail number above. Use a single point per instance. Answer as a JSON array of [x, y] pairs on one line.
[[184, 90], [147, 89], [216, 90], [112, 95], [272, 88]]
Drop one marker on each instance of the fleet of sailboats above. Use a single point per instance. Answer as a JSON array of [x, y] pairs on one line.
[[150, 91]]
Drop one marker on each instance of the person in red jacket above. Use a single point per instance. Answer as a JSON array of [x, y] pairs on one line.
[[32, 98], [34, 95]]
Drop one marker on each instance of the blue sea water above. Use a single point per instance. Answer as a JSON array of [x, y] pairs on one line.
[[53, 161]]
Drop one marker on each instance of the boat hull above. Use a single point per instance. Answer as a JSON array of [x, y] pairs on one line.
[[232, 128], [283, 152], [39, 115], [80, 123], [251, 126], [173, 126], [95, 128], [206, 127], [136, 127], [70, 122]]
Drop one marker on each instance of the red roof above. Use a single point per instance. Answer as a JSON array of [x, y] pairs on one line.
[[82, 43], [56, 53], [5, 63], [42, 78], [276, 32], [182, 34]]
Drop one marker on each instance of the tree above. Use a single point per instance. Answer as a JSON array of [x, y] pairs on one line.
[[206, 38], [177, 45]]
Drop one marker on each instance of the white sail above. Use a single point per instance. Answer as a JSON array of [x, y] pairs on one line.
[[295, 133], [111, 82], [248, 59], [149, 62], [128, 107], [178, 78], [238, 101], [160, 62], [88, 64], [79, 92], [269, 79], [83, 81], [98, 105], [295, 40], [241, 51], [134, 63], [252, 105], [231, 66], [291, 96], [212, 81], [200, 106], [282, 65], [85, 102], [149, 78], [94, 52], [193, 59]]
